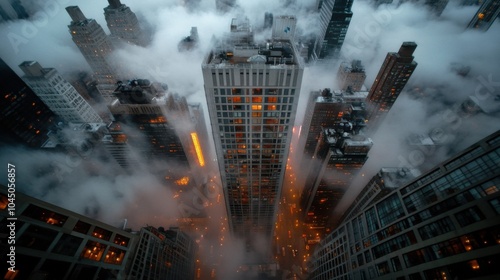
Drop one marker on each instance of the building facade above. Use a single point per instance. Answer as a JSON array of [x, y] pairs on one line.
[[55, 243], [351, 77], [252, 92], [163, 254], [96, 48], [123, 24], [159, 126], [23, 116], [58, 94], [335, 17], [326, 108], [443, 224], [339, 156], [486, 15], [390, 81]]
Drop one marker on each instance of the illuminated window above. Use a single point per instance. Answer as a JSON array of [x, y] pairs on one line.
[[271, 107], [114, 256], [45, 215], [257, 99], [101, 233], [93, 251], [256, 107]]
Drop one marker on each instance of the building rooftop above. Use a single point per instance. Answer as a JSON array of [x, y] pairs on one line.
[[276, 53], [328, 96]]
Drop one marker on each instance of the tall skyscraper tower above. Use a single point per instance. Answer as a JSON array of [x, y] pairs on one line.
[[58, 94], [123, 23], [335, 17], [324, 109], [159, 126], [351, 77], [55, 243], [444, 224], [486, 15], [339, 156], [96, 47], [23, 116], [390, 81], [252, 92]]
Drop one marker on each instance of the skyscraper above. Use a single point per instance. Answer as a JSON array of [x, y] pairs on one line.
[[54, 243], [486, 15], [324, 110], [335, 17], [443, 224], [390, 81], [163, 254], [123, 23], [96, 47], [159, 125], [12, 10], [59, 95], [23, 116], [252, 91], [339, 156], [351, 76]]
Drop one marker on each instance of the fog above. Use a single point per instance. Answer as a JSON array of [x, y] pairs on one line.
[[98, 187]]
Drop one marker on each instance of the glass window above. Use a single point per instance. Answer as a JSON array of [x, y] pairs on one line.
[[469, 216], [101, 233], [436, 228], [82, 227], [114, 256], [44, 215], [396, 264], [121, 240], [389, 210], [36, 237], [67, 245], [93, 251], [495, 203], [383, 268]]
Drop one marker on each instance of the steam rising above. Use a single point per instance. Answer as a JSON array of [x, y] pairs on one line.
[[97, 187]]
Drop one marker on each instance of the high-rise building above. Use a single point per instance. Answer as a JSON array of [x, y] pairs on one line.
[[12, 10], [123, 23], [324, 109], [58, 94], [96, 48], [252, 92], [351, 77], [23, 116], [443, 224], [224, 6], [339, 156], [486, 15], [159, 126], [55, 243], [335, 17], [390, 81], [437, 6], [163, 254]]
